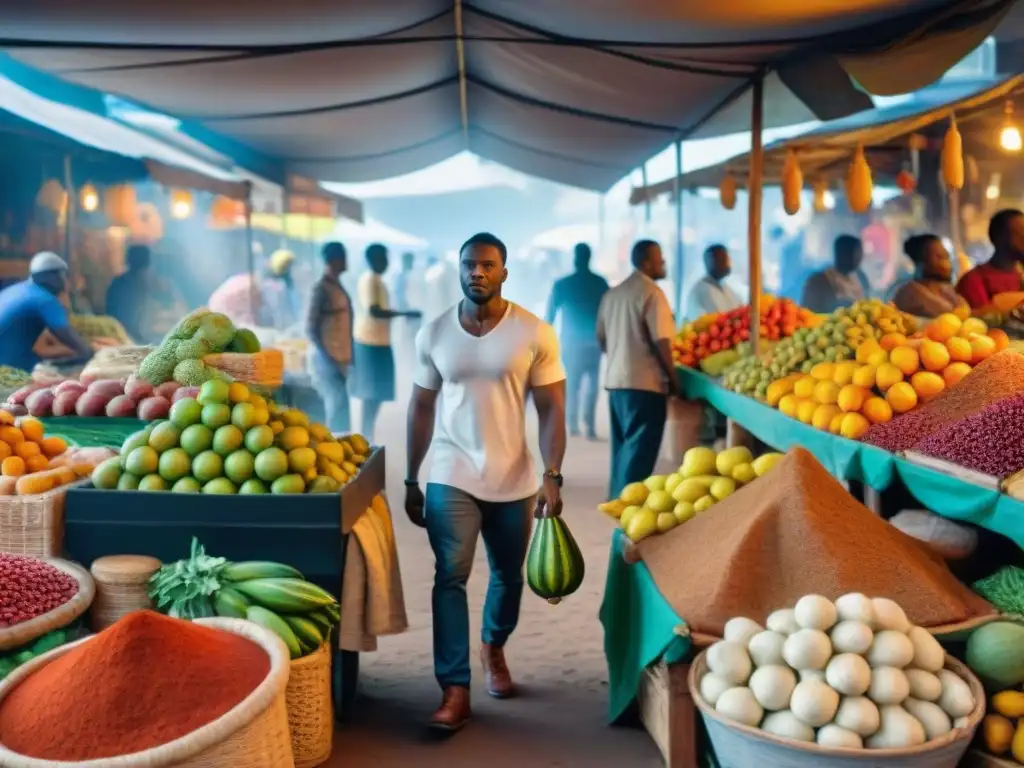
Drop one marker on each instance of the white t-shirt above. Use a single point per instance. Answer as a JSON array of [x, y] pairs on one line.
[[480, 434], [372, 331]]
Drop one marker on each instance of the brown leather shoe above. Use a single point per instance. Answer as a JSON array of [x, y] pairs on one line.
[[497, 678], [454, 711]]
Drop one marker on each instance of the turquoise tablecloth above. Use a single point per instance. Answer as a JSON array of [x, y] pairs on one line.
[[852, 460], [639, 628]]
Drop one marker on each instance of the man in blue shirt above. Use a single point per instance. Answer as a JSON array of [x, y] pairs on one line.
[[30, 307], [578, 297]]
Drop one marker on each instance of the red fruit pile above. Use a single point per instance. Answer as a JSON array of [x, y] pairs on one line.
[[30, 588]]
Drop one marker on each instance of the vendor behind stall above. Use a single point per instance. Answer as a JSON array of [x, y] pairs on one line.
[[1001, 273], [141, 300], [32, 306], [929, 293], [278, 303]]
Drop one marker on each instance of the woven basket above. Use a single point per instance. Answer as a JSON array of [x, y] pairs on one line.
[[739, 746], [34, 525], [252, 735], [61, 616], [122, 586], [310, 708], [265, 368]]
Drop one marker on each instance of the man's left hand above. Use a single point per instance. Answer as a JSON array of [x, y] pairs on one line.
[[549, 503]]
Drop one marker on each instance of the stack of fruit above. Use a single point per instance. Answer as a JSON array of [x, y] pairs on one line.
[[273, 595], [995, 652], [708, 334], [661, 502], [32, 462], [889, 376], [129, 398], [230, 440]]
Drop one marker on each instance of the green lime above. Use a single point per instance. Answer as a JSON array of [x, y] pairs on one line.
[[128, 482], [214, 391], [271, 464], [164, 437], [220, 485], [186, 412], [238, 467], [133, 441], [142, 461], [152, 483], [207, 466], [216, 415], [288, 484], [186, 485], [196, 439], [243, 416], [227, 439], [175, 464], [252, 487], [258, 439], [107, 474]]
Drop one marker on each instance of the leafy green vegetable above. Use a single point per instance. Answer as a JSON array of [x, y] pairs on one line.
[[1004, 589], [185, 589]]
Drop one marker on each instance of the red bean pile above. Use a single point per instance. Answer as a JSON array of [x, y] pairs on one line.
[[30, 588], [990, 441], [996, 378]]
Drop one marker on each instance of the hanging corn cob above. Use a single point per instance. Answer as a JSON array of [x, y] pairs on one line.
[[953, 157], [792, 183], [858, 183], [727, 192]]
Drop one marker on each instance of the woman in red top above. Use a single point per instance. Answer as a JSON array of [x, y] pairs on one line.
[[1001, 273]]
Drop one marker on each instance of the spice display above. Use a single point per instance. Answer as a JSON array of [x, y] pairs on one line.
[[800, 532], [991, 441], [30, 588], [998, 377], [145, 681], [273, 595], [852, 674]]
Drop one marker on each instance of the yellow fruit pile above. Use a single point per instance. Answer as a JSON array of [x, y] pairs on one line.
[[890, 375], [32, 463], [661, 502], [1003, 728]]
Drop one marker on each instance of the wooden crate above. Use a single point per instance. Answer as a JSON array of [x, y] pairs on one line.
[[668, 713]]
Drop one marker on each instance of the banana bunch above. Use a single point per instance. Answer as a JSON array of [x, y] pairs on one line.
[[276, 597]]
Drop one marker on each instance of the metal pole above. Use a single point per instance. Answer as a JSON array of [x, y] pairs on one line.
[[677, 191], [955, 234], [647, 199], [754, 210]]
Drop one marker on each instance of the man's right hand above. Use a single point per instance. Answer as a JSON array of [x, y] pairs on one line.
[[414, 503]]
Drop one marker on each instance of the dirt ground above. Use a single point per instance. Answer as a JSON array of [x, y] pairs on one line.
[[555, 655]]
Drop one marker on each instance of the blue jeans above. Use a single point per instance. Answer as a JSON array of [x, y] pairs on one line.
[[454, 521], [580, 364], [332, 386], [637, 426]]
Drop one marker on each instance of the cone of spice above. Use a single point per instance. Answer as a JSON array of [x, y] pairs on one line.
[[145, 681]]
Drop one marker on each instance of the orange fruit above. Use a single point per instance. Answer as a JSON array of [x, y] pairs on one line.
[[902, 397], [53, 446], [853, 426], [36, 463], [13, 466], [959, 349], [927, 384], [943, 327], [5, 450], [11, 435], [6, 418], [890, 341], [906, 359], [32, 429], [954, 372], [851, 398], [27, 449], [998, 335], [865, 376], [804, 386], [836, 424], [963, 310], [823, 416], [823, 371], [934, 356], [867, 352], [844, 371], [887, 375], [788, 405], [826, 392], [805, 411], [972, 325], [982, 347], [877, 410]]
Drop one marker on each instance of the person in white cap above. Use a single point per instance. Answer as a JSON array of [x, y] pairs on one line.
[[32, 306]]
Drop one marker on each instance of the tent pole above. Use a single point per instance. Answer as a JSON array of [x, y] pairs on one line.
[[69, 223], [677, 192], [754, 190], [954, 228], [460, 56]]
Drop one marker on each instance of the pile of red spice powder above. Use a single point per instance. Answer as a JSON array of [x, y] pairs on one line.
[[145, 681]]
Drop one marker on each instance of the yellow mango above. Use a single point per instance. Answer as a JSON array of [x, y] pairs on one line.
[[792, 183], [1009, 704], [952, 157], [727, 192], [998, 734], [858, 183], [332, 451]]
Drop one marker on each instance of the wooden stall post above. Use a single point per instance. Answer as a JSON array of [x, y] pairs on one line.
[[669, 714]]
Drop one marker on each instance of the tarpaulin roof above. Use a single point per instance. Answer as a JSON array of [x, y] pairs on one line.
[[85, 129], [576, 91], [825, 151]]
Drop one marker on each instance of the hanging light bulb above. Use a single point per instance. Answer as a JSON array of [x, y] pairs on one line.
[[992, 191], [181, 203], [1010, 139], [89, 198]]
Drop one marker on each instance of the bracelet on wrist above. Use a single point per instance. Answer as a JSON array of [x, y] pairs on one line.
[[411, 483]]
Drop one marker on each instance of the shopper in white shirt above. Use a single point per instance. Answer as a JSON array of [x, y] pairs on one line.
[[373, 375], [477, 363], [712, 294]]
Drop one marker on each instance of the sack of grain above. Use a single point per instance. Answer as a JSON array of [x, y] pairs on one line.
[[795, 533]]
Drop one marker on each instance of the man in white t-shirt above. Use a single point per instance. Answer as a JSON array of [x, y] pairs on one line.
[[476, 364]]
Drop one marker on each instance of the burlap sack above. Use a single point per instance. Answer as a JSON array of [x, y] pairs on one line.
[[792, 533]]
